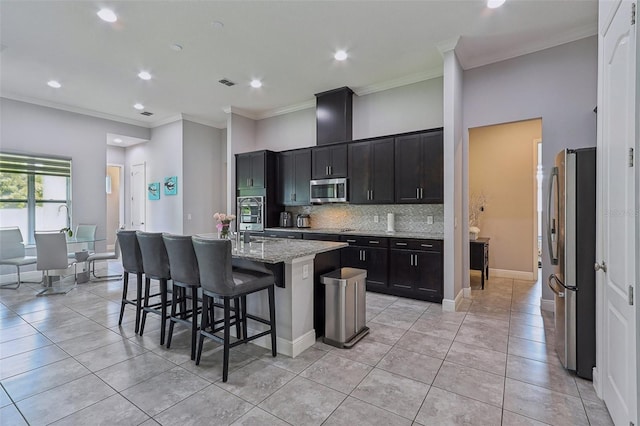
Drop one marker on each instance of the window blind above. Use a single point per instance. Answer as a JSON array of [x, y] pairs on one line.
[[51, 166]]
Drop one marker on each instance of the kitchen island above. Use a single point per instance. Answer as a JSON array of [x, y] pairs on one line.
[[295, 301]]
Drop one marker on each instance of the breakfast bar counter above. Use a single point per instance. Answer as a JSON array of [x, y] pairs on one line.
[[295, 301]]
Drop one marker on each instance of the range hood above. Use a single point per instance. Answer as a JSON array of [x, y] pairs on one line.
[[334, 112]]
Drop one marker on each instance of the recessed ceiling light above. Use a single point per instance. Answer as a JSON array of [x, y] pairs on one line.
[[217, 25], [55, 84], [492, 4], [255, 83], [340, 55], [144, 75], [176, 47], [117, 140], [107, 15], [139, 107]]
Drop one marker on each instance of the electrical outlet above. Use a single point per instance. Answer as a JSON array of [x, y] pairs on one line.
[[376, 218], [305, 271], [429, 220], [188, 216]]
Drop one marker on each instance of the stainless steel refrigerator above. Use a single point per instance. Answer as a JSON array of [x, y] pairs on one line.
[[571, 236]]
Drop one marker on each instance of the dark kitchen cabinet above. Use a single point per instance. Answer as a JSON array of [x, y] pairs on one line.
[[419, 168], [329, 162], [283, 234], [250, 170], [370, 254], [294, 174], [371, 172], [320, 237], [416, 268]]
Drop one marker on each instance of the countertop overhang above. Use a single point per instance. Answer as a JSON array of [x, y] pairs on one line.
[[276, 250]]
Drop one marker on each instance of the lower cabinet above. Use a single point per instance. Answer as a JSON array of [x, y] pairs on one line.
[[415, 269], [283, 234], [373, 259]]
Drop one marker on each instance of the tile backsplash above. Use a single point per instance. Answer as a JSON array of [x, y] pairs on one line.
[[408, 218]]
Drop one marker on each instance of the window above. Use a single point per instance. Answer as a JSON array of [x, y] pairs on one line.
[[35, 193]]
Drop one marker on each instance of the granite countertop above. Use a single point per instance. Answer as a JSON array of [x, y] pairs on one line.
[[276, 250], [414, 235]]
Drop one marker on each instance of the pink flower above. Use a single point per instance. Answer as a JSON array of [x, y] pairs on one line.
[[219, 226]]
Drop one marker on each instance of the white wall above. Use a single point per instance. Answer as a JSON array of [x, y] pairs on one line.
[[288, 131], [241, 137], [454, 227], [163, 158], [416, 106], [33, 129], [558, 84], [407, 108], [204, 177], [116, 154]]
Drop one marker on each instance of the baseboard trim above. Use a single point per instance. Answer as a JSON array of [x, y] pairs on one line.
[[466, 292], [287, 347], [547, 305], [449, 305], [516, 275]]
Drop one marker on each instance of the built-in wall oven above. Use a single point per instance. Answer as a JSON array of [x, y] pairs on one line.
[[250, 213]]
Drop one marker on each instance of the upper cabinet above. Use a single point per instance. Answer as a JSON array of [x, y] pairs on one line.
[[329, 162], [294, 174], [371, 172], [419, 168], [254, 170]]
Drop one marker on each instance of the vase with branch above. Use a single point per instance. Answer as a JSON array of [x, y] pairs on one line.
[[477, 205]]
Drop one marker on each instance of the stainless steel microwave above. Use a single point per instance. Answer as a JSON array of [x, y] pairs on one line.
[[328, 190]]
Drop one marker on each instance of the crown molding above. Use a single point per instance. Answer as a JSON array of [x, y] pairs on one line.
[[447, 45], [204, 121], [288, 109], [399, 82], [166, 120], [572, 35], [242, 112], [76, 110]]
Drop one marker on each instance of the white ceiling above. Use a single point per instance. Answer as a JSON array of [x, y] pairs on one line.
[[287, 44]]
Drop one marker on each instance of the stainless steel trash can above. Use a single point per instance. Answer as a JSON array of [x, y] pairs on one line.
[[345, 307]]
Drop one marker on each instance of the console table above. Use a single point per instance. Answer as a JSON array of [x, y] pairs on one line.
[[479, 257]]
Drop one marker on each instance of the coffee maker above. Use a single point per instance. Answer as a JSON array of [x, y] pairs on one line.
[[286, 219]]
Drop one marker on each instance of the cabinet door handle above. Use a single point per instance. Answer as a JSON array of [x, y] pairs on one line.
[[417, 193], [426, 245], [351, 241], [421, 193], [364, 255], [401, 244], [290, 236], [371, 195], [374, 242], [415, 262], [401, 286], [330, 170], [410, 260], [294, 197]]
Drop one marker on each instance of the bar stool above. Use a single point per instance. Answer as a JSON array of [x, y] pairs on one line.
[[131, 264], [156, 267], [186, 282], [219, 280]]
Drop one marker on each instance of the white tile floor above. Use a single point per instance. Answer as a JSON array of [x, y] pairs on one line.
[[64, 360]]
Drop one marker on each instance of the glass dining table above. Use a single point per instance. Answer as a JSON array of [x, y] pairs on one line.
[[80, 248]]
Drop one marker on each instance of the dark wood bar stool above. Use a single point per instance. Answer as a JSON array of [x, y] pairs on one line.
[[186, 282], [132, 264], [219, 279], [156, 267]]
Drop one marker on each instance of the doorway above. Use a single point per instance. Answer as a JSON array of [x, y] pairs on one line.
[[504, 195], [115, 202], [138, 193]]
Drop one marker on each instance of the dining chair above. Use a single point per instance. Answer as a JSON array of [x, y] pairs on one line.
[[131, 264], [185, 275], [86, 233], [97, 257], [220, 280], [12, 252], [156, 267], [51, 253]]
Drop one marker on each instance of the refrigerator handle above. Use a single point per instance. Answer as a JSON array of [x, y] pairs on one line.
[[551, 222], [553, 277]]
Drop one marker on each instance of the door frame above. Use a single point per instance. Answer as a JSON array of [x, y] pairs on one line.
[[121, 195], [536, 142], [144, 194]]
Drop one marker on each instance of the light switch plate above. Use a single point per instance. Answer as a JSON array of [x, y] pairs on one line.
[[376, 218], [429, 220], [305, 271]]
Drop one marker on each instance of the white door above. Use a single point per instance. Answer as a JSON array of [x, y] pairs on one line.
[[138, 196], [617, 108]]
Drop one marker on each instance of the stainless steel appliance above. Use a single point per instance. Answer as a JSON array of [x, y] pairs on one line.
[[571, 238], [303, 221], [328, 190], [250, 213], [286, 219]]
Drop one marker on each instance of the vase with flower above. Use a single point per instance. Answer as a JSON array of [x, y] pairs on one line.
[[224, 221]]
